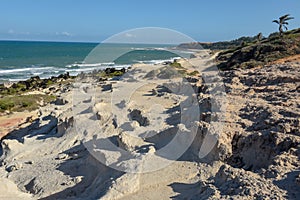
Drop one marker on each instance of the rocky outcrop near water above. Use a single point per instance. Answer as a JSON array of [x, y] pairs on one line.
[[34, 83]]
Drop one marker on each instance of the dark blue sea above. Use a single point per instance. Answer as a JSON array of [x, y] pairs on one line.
[[21, 60]]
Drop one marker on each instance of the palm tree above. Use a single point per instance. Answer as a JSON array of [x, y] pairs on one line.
[[282, 22]]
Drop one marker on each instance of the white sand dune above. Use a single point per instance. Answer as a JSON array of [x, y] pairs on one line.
[[149, 136]]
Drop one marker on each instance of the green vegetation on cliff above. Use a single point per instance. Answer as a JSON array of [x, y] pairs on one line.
[[218, 45], [263, 52]]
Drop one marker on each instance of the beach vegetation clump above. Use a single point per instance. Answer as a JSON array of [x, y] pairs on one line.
[[193, 73], [176, 65], [20, 103], [6, 104], [34, 83], [115, 73], [111, 72]]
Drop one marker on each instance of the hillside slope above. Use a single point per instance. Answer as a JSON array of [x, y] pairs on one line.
[[259, 53]]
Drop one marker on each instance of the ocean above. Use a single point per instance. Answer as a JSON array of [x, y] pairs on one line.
[[21, 60]]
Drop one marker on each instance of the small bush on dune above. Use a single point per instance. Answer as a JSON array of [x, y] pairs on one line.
[[23, 102]]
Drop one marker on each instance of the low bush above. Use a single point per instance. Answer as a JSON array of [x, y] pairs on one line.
[[23, 102]]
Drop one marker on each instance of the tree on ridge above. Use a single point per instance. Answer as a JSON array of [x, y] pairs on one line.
[[283, 22]]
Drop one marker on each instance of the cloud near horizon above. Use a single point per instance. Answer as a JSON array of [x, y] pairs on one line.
[[64, 33], [13, 32]]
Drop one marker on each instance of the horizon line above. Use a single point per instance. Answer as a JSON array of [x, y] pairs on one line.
[[82, 42]]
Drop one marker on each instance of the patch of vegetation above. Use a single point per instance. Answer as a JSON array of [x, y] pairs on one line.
[[193, 73], [111, 72], [270, 49], [34, 83], [49, 82], [176, 65], [116, 73], [24, 102], [16, 88], [6, 104], [219, 45]]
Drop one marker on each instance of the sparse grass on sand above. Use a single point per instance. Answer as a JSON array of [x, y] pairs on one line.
[[20, 103]]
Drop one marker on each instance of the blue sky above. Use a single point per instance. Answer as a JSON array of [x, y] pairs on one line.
[[95, 20]]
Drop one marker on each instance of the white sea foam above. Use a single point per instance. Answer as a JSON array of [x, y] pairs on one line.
[[121, 66], [73, 69], [150, 49], [82, 69], [37, 73], [155, 62], [9, 71], [90, 65], [14, 80]]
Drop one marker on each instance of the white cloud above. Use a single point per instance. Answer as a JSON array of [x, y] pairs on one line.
[[65, 33], [13, 32]]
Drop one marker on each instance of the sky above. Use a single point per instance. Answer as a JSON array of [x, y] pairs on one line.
[[96, 20]]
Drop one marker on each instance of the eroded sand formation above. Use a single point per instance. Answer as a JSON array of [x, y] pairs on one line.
[[256, 155]]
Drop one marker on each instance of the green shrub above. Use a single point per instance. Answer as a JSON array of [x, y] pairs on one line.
[[49, 82], [176, 65], [23, 102], [26, 104], [116, 73], [6, 105], [194, 73]]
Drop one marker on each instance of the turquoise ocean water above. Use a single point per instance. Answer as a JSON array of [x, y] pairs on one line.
[[22, 60]]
